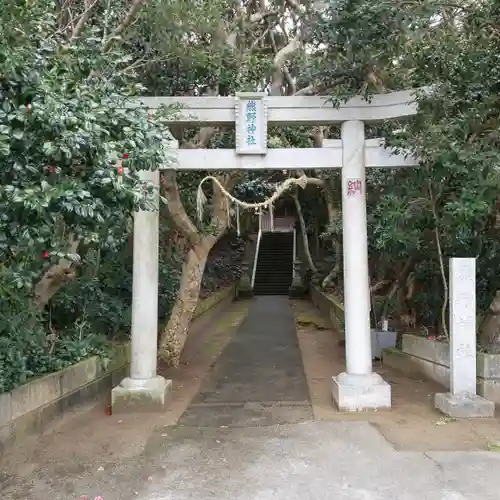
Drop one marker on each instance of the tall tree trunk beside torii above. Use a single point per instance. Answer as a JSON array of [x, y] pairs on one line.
[[174, 335], [303, 230]]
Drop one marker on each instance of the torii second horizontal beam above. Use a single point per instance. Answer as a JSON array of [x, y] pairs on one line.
[[376, 156]]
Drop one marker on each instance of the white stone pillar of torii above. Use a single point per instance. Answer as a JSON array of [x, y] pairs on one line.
[[358, 388]]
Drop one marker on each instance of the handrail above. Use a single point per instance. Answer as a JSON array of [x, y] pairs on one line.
[[257, 247], [294, 251]]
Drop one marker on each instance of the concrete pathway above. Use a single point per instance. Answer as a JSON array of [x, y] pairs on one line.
[[259, 378], [249, 433]]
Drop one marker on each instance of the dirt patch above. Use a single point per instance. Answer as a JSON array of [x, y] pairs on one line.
[[412, 424]]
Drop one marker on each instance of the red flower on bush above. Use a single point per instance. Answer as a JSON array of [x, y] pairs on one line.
[[45, 254], [125, 156]]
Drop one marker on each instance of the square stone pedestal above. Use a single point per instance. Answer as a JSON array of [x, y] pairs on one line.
[[141, 395], [361, 392], [463, 405]]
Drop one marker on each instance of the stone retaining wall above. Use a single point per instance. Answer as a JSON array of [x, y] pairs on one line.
[[422, 356], [32, 407], [215, 298], [330, 307]]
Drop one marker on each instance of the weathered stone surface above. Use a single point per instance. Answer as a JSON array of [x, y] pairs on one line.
[[462, 326], [244, 289], [5, 409], [130, 396], [121, 357], [36, 393], [464, 405], [382, 340], [489, 389], [488, 365], [76, 376], [330, 308], [207, 303], [401, 361], [31, 408], [431, 350], [361, 392]]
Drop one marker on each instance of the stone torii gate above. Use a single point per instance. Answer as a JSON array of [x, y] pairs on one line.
[[358, 388]]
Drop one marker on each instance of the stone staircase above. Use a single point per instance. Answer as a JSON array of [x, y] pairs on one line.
[[274, 272]]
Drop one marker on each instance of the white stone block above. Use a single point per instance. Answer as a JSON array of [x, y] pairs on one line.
[[361, 392]]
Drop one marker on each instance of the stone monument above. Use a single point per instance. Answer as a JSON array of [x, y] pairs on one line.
[[462, 401]]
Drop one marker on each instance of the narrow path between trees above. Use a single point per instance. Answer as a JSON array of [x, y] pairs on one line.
[[259, 378]]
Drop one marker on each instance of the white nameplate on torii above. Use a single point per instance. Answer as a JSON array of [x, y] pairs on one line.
[[251, 123], [330, 156]]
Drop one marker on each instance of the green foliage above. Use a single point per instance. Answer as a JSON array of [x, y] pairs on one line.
[[65, 126], [185, 44], [25, 348], [452, 199]]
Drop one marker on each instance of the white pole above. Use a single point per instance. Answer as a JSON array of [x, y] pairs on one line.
[[358, 388], [144, 388], [145, 287], [356, 298]]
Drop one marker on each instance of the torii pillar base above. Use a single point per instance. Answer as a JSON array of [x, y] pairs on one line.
[[361, 392]]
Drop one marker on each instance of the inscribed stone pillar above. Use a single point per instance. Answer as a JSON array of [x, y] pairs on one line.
[[462, 400]]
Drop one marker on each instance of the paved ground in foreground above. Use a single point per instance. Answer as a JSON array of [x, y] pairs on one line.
[[252, 419]]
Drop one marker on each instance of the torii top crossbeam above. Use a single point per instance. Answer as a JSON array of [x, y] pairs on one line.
[[299, 110]]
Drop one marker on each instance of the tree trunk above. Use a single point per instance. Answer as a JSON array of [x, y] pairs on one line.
[[55, 277], [175, 333], [333, 214], [305, 238], [332, 275], [398, 284]]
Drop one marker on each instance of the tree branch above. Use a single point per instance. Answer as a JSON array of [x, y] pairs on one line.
[[85, 16], [254, 18], [129, 18], [280, 59], [176, 209]]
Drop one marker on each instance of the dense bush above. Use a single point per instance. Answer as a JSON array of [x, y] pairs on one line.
[[65, 201], [81, 319]]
